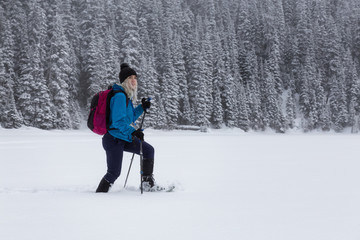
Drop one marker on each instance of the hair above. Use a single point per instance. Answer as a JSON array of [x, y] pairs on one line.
[[131, 93]]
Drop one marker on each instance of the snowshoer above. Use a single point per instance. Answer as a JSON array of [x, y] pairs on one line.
[[122, 134]]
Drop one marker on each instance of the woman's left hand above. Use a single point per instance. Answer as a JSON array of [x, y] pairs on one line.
[[145, 103]]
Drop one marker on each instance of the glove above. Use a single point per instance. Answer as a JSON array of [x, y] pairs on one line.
[[145, 103], [139, 134]]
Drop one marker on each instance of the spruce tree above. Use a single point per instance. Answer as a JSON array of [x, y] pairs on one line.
[[43, 108], [130, 45], [243, 117], [271, 101], [253, 93], [179, 68], [208, 58], [59, 73], [148, 81], [9, 117], [354, 94], [170, 88], [229, 96], [290, 109]]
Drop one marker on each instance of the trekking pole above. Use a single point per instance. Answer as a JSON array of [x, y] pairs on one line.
[[142, 121], [141, 168]]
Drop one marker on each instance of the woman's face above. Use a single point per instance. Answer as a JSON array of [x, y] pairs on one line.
[[133, 81]]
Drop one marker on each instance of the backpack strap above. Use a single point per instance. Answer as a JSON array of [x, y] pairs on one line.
[[110, 95], [117, 91]]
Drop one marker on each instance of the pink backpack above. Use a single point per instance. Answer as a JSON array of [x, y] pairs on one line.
[[98, 120]]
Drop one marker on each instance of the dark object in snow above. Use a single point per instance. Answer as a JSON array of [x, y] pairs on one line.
[[104, 186]]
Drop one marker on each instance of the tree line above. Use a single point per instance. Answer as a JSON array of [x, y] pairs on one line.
[[251, 64]]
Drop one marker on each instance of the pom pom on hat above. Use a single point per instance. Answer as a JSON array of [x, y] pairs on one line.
[[124, 65]]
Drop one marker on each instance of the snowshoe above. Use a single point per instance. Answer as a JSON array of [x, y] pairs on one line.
[[157, 188]]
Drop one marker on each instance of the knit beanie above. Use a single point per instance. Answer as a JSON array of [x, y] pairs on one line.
[[125, 72]]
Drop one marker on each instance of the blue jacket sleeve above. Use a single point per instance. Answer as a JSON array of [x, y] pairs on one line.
[[138, 111], [120, 120]]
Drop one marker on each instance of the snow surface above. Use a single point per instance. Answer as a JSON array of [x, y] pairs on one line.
[[230, 185]]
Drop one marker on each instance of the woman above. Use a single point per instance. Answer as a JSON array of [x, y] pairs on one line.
[[122, 136]]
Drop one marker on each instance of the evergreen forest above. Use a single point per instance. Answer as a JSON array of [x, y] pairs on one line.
[[249, 64]]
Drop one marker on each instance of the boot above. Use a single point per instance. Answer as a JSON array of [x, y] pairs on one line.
[[148, 169], [148, 181], [104, 186]]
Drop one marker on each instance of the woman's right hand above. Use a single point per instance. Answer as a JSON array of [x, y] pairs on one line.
[[139, 134]]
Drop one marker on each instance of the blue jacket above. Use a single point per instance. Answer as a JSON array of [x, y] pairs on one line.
[[122, 116]]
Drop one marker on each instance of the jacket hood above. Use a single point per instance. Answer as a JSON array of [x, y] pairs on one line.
[[117, 87]]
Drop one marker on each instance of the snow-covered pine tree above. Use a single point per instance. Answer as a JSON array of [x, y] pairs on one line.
[[229, 96], [85, 16], [169, 83], [243, 117], [200, 105], [187, 41], [248, 67], [271, 102], [229, 39], [354, 95], [42, 115], [302, 28], [356, 34], [320, 35], [243, 39], [315, 90], [71, 30], [170, 87], [148, 81], [244, 33], [58, 73], [290, 109], [43, 107], [197, 81], [130, 44], [145, 52], [9, 117], [336, 76], [217, 64], [154, 19], [179, 68], [208, 58], [111, 62], [319, 100], [279, 22], [291, 70], [308, 82], [323, 107], [275, 61], [95, 66], [337, 101], [218, 85], [253, 93]]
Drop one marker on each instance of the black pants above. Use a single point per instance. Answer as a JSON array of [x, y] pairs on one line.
[[115, 147]]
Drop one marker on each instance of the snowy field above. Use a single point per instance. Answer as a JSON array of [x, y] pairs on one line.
[[230, 185]]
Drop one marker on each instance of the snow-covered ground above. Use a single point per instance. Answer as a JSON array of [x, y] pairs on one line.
[[230, 185]]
